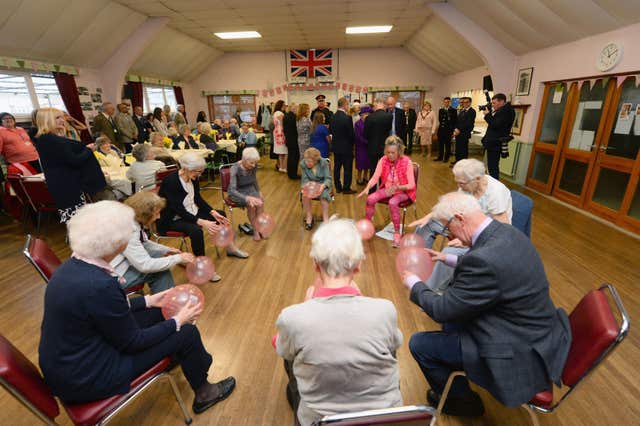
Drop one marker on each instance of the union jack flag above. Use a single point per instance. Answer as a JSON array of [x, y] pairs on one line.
[[311, 63]]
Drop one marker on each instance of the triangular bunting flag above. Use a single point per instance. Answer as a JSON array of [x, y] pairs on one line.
[[592, 83], [620, 79], [605, 81], [580, 83], [20, 63], [57, 68], [637, 77]]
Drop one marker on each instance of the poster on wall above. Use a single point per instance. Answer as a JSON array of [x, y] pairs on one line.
[[83, 91], [636, 126], [625, 119]]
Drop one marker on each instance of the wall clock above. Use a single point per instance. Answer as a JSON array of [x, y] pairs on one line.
[[609, 56]]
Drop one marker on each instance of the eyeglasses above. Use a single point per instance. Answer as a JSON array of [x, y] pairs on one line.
[[447, 231]]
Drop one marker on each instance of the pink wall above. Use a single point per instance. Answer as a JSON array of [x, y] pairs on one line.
[[257, 71]]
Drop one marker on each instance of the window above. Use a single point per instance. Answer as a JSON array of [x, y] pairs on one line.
[[414, 98], [226, 107], [158, 97], [21, 93]]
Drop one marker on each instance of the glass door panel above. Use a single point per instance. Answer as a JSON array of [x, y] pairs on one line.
[[610, 188], [553, 114], [624, 139], [634, 210], [573, 174], [588, 114]]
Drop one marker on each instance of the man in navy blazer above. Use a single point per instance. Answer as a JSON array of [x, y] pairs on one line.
[[464, 126], [398, 119], [499, 323], [343, 138]]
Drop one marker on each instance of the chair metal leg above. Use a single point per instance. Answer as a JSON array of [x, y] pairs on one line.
[[532, 415], [404, 213], [176, 393], [447, 388], [182, 243]]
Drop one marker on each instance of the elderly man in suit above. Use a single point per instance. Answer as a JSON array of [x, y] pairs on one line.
[[138, 119], [343, 138], [398, 119], [499, 323], [464, 126], [411, 117], [127, 129], [447, 116], [377, 127], [104, 124]]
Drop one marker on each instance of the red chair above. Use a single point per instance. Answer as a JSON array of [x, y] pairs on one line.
[[225, 179], [595, 333], [24, 382], [40, 255], [411, 415], [160, 175], [40, 199], [405, 204]]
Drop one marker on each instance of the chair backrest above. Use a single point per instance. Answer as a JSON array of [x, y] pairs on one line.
[[39, 196], [225, 177], [416, 172], [411, 415], [595, 332], [15, 181], [40, 255], [164, 172], [23, 380], [522, 207]]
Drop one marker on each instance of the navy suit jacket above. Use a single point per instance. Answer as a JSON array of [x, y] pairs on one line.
[[401, 122], [465, 122], [376, 130], [514, 341], [89, 335], [498, 127], [171, 189], [343, 135]]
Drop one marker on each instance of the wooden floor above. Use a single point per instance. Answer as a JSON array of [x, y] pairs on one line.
[[579, 253]]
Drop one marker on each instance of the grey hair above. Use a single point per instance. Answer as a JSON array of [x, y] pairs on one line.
[[455, 203], [205, 127], [183, 127], [250, 154], [98, 230], [379, 101], [469, 169], [101, 140], [393, 140], [192, 161], [140, 151], [336, 247]]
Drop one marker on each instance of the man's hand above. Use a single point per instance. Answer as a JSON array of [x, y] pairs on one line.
[[436, 255], [456, 132], [455, 243], [485, 111]]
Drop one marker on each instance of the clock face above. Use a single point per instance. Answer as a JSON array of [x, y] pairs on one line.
[[609, 56]]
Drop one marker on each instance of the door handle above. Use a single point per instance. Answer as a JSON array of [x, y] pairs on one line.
[[603, 149]]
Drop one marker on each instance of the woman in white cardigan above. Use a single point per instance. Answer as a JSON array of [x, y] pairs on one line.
[[144, 261]]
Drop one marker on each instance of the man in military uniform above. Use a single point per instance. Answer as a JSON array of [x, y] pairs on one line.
[[447, 117], [322, 107]]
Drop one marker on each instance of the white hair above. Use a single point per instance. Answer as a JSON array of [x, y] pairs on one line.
[[336, 247], [100, 229], [192, 161], [250, 154], [455, 203], [469, 169]]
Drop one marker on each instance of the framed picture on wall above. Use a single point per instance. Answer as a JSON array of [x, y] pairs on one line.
[[516, 129], [524, 81]]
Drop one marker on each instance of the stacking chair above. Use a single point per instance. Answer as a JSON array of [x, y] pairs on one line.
[[594, 334], [34, 195], [411, 415], [332, 192], [225, 180], [522, 207], [24, 382], [40, 255], [408, 203]]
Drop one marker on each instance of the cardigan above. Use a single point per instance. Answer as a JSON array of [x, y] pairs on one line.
[[89, 335], [173, 191]]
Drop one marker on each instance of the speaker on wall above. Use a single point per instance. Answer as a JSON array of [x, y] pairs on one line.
[[487, 84]]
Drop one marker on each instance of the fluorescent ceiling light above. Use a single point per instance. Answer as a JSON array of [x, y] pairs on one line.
[[238, 34], [369, 30]]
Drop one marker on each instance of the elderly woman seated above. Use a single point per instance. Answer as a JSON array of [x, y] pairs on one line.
[[187, 211], [94, 341], [159, 150], [339, 347], [494, 199], [315, 169], [144, 261], [143, 171], [243, 187], [106, 156], [205, 136], [185, 140], [394, 171]]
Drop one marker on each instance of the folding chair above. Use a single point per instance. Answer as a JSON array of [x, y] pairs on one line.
[[24, 382], [595, 333], [225, 180], [35, 193], [410, 415], [331, 193], [40, 255], [406, 204]]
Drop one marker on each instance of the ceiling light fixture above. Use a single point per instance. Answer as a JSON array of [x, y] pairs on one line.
[[238, 34], [369, 30]]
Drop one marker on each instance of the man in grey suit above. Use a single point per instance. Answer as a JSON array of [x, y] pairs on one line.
[[499, 323], [127, 129]]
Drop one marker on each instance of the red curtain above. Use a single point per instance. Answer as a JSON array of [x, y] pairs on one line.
[[69, 92], [177, 90], [136, 94]]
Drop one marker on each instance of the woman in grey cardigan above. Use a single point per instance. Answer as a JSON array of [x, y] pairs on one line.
[[316, 169], [144, 261], [243, 187], [339, 347]]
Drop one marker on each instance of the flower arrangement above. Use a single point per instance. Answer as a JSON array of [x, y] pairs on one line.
[[167, 142]]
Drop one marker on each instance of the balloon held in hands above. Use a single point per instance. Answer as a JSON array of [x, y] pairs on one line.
[[223, 237], [201, 270], [412, 240], [366, 229], [265, 224], [311, 190], [415, 260], [178, 297]]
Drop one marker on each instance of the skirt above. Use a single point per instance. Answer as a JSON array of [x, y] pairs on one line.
[[425, 136]]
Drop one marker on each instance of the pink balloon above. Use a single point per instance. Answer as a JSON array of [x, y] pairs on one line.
[[223, 237], [415, 260], [265, 224], [311, 190], [366, 229], [201, 270], [178, 297], [412, 240]]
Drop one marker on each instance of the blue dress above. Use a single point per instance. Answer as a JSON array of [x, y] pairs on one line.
[[319, 140]]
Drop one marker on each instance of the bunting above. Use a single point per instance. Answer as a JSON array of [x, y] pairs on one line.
[[35, 66]]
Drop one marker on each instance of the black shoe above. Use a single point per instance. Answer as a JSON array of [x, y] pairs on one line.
[[468, 405], [226, 388], [433, 398], [348, 191], [338, 190], [308, 225]]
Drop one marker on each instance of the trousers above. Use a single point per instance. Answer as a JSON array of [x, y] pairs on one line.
[[394, 207], [462, 147], [342, 161], [193, 231]]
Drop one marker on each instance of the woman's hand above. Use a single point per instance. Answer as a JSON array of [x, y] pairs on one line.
[[391, 190], [209, 225], [155, 300], [188, 313], [187, 257], [172, 250], [364, 191], [420, 222], [221, 219]]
